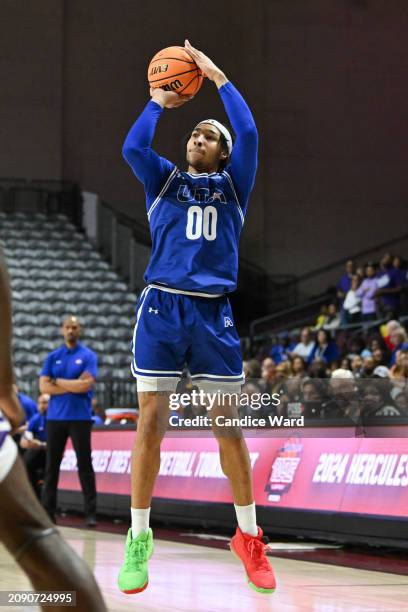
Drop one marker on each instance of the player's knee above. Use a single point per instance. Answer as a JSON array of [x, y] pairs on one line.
[[150, 431]]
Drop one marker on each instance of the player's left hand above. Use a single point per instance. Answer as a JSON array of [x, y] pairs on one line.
[[207, 66]]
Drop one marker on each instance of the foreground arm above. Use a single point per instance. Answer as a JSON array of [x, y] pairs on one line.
[[9, 404]]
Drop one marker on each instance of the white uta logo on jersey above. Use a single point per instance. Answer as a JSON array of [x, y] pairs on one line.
[[153, 310], [228, 322]]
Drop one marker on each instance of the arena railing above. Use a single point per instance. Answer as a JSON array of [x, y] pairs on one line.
[[109, 392]]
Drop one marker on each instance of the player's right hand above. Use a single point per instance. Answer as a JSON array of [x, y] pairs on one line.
[[168, 99], [12, 410]]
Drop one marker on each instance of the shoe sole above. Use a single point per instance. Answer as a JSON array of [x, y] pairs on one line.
[[133, 591], [250, 584]]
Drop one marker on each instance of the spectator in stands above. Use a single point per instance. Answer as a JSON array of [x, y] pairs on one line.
[[386, 330], [275, 383], [344, 398], [278, 351], [28, 404], [318, 369], [368, 367], [388, 292], [253, 369], [376, 400], [366, 292], [355, 345], [345, 364], [324, 348], [313, 396], [399, 371], [343, 286], [376, 343], [400, 271], [34, 440], [97, 414], [400, 399], [322, 318], [357, 366], [402, 279], [379, 357], [304, 347], [333, 318], [267, 375], [68, 376], [352, 302], [399, 340], [298, 366]]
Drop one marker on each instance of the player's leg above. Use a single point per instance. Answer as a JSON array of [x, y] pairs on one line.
[[216, 366], [57, 435], [80, 434], [145, 464], [151, 427], [157, 365], [35, 543]]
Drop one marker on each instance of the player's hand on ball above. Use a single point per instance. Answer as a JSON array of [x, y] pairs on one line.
[[207, 66], [168, 99]]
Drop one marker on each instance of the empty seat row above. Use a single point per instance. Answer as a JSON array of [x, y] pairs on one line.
[[63, 300], [25, 272], [43, 284], [20, 237], [113, 328], [104, 308], [71, 253], [58, 264]]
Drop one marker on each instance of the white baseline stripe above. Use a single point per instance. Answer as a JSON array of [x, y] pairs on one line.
[[236, 197], [161, 194]]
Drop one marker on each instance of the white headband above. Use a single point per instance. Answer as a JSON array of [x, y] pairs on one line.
[[222, 129]]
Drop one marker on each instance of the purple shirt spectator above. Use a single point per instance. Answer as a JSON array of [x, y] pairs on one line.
[[344, 284], [366, 292], [389, 279]]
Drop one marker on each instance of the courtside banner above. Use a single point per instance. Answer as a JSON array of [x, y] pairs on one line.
[[359, 475]]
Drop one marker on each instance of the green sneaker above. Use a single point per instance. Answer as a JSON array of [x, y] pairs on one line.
[[133, 576]]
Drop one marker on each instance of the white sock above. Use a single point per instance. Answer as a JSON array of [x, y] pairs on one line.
[[246, 516], [140, 520]]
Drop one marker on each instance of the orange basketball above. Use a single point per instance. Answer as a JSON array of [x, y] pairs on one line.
[[173, 69]]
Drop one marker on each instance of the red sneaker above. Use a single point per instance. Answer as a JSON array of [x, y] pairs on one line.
[[251, 551]]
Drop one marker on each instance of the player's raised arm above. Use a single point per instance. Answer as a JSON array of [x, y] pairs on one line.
[[244, 157], [151, 169], [9, 403]]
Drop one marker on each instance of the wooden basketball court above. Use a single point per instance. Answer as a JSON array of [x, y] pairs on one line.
[[189, 577]]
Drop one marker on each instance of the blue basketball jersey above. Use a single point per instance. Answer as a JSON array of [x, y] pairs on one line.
[[195, 219], [195, 224]]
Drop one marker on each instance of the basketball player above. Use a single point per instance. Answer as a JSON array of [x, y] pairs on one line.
[[25, 528], [183, 315]]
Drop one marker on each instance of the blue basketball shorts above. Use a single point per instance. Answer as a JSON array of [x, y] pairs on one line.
[[174, 328]]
